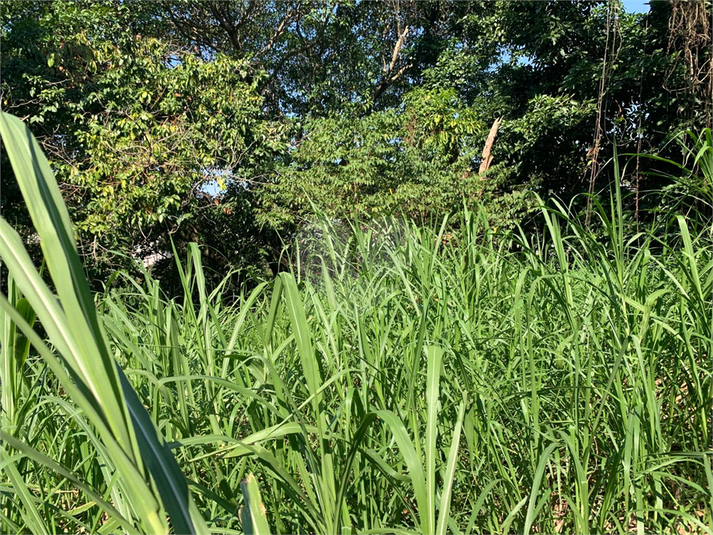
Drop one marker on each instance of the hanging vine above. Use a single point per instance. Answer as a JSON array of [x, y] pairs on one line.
[[690, 38]]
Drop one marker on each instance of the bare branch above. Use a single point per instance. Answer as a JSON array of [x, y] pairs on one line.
[[280, 30], [487, 157], [400, 73], [389, 80], [397, 49], [229, 29]]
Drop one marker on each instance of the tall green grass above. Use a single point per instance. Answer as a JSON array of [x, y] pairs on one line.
[[402, 380]]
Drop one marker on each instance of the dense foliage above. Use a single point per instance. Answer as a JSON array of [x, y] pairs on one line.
[[162, 117], [402, 378], [356, 267], [137, 129]]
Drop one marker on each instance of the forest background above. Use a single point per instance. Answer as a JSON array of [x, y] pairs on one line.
[[234, 124]]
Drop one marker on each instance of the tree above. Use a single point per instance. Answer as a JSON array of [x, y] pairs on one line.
[[418, 161], [138, 131], [320, 56]]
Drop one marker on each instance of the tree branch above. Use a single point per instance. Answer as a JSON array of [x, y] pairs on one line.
[[397, 49], [387, 80], [487, 158]]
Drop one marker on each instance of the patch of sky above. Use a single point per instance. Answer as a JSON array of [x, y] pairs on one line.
[[636, 6], [507, 57], [215, 180]]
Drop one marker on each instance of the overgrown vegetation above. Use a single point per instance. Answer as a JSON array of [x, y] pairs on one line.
[[356, 267], [406, 379]]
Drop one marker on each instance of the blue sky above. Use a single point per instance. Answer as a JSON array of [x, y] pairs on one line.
[[636, 6]]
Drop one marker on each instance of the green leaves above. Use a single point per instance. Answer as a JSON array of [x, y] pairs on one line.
[[475, 384], [407, 379], [424, 485], [415, 160], [74, 329], [253, 515], [146, 126]]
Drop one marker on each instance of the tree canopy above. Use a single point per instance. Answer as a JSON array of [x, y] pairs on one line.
[[224, 122]]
